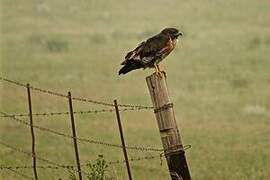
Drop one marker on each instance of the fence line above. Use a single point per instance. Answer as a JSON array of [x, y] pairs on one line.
[[56, 165], [37, 157], [91, 141], [132, 159], [71, 167], [53, 93], [149, 157], [67, 113]]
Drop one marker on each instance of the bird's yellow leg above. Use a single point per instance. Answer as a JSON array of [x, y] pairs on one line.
[[156, 69], [158, 72]]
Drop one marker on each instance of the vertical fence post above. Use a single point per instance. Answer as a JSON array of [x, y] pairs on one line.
[[74, 136], [122, 139], [32, 132], [170, 135]]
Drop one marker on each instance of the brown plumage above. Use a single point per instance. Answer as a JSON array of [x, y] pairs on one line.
[[151, 52]]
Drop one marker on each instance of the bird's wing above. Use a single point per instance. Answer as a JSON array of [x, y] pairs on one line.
[[134, 54], [148, 50], [153, 48]]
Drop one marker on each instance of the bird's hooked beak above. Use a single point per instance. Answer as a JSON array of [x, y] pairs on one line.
[[179, 34]]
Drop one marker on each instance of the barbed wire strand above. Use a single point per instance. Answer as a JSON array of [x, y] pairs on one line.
[[186, 147], [67, 113], [40, 167], [19, 173], [85, 164], [91, 141], [39, 158], [53, 93], [132, 159]]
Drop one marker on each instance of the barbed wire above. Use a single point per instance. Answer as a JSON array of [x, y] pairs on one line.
[[138, 158], [37, 157], [53, 93], [85, 164], [39, 167], [131, 159], [149, 157], [67, 113], [19, 173], [91, 141]]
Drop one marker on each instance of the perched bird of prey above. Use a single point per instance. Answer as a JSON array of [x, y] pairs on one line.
[[151, 52]]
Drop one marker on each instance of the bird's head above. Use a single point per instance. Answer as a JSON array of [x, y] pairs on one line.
[[172, 32]]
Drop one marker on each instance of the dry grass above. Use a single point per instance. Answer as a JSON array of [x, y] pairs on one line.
[[218, 79]]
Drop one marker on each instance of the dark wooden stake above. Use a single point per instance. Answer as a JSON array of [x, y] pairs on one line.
[[170, 136], [32, 132], [122, 139], [74, 136]]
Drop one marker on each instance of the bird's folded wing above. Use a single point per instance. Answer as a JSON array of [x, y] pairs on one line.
[[134, 54], [148, 50], [153, 48]]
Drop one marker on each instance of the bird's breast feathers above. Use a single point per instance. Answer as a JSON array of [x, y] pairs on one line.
[[170, 45]]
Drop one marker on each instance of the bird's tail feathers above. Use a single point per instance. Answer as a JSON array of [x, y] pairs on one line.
[[129, 66]]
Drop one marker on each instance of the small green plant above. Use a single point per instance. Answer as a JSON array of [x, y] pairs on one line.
[[97, 169]]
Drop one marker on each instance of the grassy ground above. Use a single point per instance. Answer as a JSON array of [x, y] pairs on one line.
[[218, 78]]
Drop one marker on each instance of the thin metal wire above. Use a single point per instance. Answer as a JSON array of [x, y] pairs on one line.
[[53, 93], [39, 158], [132, 159], [91, 141], [67, 113], [149, 157], [39, 167], [19, 173]]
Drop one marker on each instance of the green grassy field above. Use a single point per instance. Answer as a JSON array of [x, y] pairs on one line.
[[218, 78]]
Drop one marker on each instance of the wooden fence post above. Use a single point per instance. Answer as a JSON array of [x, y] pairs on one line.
[[170, 136], [32, 131]]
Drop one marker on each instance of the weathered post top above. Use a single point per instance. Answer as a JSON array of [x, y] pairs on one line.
[[170, 136]]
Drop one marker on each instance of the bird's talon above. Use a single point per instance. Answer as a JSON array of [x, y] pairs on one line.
[[163, 72], [159, 74]]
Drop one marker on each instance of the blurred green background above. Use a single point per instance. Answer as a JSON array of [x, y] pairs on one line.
[[218, 79]]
